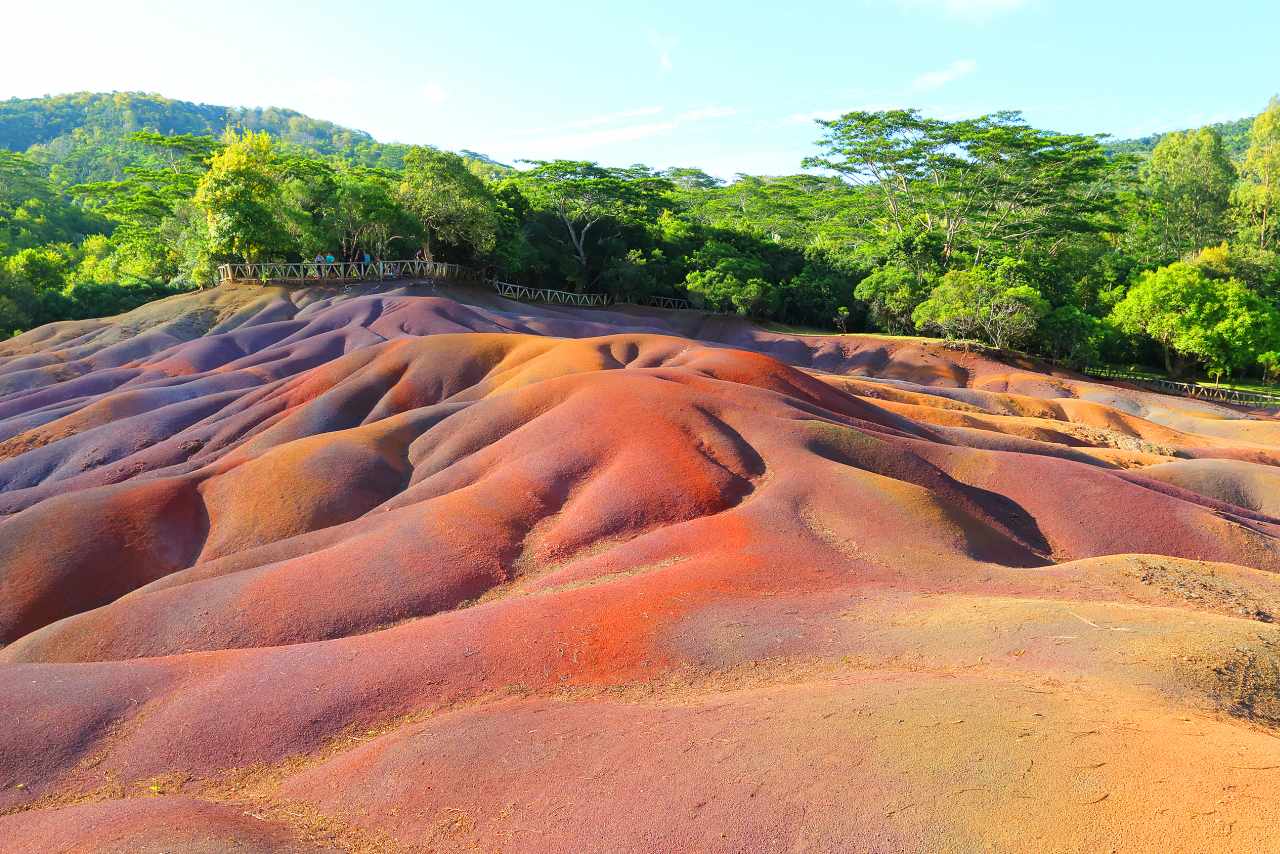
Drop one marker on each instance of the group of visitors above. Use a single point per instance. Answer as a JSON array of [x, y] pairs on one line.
[[355, 256], [327, 259], [326, 265], [359, 256]]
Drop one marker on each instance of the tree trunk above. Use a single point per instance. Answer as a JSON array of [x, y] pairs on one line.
[[585, 281], [1176, 366], [580, 250]]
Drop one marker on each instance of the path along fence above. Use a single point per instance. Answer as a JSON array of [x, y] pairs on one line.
[[347, 272], [1218, 394]]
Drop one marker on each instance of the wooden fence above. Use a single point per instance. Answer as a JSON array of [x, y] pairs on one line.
[[1217, 394], [311, 272], [668, 302], [346, 272], [527, 294]]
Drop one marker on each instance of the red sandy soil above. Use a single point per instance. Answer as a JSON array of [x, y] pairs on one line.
[[409, 570]]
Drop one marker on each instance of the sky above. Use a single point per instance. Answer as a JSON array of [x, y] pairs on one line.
[[725, 86]]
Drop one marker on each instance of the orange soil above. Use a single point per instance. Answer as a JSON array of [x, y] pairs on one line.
[[321, 572]]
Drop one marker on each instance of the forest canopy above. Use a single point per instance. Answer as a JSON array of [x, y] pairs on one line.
[[1161, 251]]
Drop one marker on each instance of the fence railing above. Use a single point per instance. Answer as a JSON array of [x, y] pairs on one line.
[[527, 294], [668, 302], [310, 272], [1219, 394], [313, 272]]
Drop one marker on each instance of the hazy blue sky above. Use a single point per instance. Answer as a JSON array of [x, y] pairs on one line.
[[729, 86]]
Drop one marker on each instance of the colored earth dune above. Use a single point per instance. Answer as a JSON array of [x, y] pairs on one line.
[[417, 570]]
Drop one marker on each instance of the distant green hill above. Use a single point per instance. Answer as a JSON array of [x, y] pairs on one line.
[[83, 136], [1235, 137]]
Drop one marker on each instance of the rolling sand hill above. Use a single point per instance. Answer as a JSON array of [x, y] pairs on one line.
[[432, 571]]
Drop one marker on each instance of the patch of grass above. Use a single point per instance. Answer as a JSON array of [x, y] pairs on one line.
[[797, 329], [1144, 372]]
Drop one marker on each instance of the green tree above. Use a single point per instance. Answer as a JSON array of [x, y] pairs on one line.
[[1258, 269], [308, 188], [815, 293], [1270, 364], [453, 205], [691, 179], [795, 210], [1070, 334], [989, 184], [841, 319], [720, 290], [1257, 199], [586, 199], [892, 294], [143, 206], [243, 202], [993, 304], [1198, 320], [32, 285], [23, 192], [367, 211], [1187, 187], [33, 212]]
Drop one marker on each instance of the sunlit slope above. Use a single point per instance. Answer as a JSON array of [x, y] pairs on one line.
[[436, 571]]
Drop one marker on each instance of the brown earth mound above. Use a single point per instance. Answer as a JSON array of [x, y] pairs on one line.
[[403, 570]]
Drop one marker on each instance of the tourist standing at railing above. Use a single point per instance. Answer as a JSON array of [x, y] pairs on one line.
[[319, 259]]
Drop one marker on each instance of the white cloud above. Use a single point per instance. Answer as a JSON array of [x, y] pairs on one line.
[[937, 79], [434, 94], [703, 113], [973, 10]]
